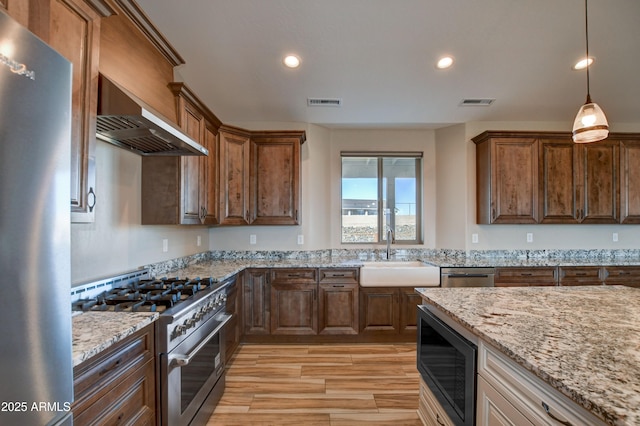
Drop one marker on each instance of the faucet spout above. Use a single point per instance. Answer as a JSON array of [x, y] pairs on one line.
[[390, 240]]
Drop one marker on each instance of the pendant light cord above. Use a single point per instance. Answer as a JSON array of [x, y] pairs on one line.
[[586, 30]]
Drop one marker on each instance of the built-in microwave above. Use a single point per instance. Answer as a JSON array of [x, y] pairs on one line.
[[447, 364]]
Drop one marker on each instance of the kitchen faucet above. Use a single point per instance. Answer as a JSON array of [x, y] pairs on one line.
[[390, 239]]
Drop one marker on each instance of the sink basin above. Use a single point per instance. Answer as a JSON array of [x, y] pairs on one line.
[[399, 274]]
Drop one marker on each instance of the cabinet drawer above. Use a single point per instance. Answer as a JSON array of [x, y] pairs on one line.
[[294, 275], [525, 276], [96, 374], [528, 393], [429, 410], [342, 276], [579, 275], [622, 275]]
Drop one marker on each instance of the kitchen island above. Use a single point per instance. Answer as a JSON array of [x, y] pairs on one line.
[[582, 341]]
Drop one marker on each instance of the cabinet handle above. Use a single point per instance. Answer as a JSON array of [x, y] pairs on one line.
[[91, 195], [562, 422], [338, 286], [111, 367], [338, 275], [440, 422], [293, 275], [296, 214], [246, 216], [526, 274], [493, 214]]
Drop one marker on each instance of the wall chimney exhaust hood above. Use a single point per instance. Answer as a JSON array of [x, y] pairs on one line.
[[126, 121]]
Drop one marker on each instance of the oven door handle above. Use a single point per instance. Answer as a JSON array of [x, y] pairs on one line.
[[183, 360]]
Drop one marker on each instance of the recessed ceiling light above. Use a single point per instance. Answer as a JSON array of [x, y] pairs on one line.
[[444, 62], [291, 61], [583, 63]]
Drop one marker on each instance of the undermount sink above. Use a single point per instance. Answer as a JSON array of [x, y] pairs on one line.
[[399, 274]]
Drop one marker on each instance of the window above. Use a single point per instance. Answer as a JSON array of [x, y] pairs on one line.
[[381, 191]]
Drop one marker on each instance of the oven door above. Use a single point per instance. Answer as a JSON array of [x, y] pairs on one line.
[[193, 375], [447, 364]]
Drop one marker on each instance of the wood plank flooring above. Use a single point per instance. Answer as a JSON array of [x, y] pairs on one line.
[[327, 384]]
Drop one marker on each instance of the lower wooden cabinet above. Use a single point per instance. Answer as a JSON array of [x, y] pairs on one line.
[[621, 275], [233, 330], [388, 310], [338, 302], [118, 386], [256, 302]]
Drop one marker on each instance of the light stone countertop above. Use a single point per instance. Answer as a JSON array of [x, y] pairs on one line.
[[93, 332], [583, 341]]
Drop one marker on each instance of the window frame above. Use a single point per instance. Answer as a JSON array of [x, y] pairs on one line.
[[380, 156]]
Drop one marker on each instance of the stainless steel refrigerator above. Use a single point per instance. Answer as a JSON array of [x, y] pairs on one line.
[[36, 372]]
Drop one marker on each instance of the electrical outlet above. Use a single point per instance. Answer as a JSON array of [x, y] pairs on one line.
[[529, 237], [300, 239], [615, 237], [198, 240], [474, 238], [253, 239], [165, 245]]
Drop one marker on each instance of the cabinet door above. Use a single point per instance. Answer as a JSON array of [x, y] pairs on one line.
[[193, 169], [630, 182], [558, 176], [294, 308], [234, 178], [209, 188], [338, 308], [494, 409], [598, 185], [255, 301], [275, 180], [409, 301], [379, 310], [17, 9], [507, 178], [74, 31]]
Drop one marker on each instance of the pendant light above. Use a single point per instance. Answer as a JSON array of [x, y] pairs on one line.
[[590, 124]]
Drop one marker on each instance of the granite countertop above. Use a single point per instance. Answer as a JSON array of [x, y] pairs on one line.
[[583, 341], [93, 332]]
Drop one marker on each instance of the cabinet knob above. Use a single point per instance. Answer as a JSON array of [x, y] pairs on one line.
[[91, 199]]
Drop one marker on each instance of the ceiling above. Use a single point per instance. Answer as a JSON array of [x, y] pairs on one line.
[[379, 56]]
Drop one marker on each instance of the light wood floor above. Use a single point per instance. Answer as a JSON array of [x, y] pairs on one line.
[[320, 385]]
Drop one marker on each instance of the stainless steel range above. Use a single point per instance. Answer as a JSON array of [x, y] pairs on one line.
[[188, 336]]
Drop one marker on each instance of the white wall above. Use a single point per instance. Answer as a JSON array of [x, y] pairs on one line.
[[116, 242]]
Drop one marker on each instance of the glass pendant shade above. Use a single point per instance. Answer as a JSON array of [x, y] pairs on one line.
[[590, 124]]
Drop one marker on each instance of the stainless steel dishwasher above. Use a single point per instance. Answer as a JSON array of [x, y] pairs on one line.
[[467, 277]]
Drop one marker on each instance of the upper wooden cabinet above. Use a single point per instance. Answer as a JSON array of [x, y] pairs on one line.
[[543, 177], [259, 177], [234, 176], [275, 178], [507, 178], [630, 181], [183, 190], [73, 29]]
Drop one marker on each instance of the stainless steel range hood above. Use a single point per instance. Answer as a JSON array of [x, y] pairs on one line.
[[126, 121]]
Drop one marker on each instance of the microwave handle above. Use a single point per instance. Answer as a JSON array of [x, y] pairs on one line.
[[183, 360]]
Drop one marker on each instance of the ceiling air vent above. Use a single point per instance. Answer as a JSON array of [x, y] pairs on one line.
[[329, 102], [477, 102]]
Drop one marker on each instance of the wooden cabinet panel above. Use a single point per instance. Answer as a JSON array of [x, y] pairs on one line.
[[256, 298], [234, 177], [598, 185], [209, 190], [507, 176], [630, 181], [193, 168], [622, 275], [294, 276], [379, 310], [275, 178], [17, 9], [409, 301], [119, 384], [294, 308], [73, 29], [232, 332], [523, 277], [579, 275], [558, 174], [338, 301]]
